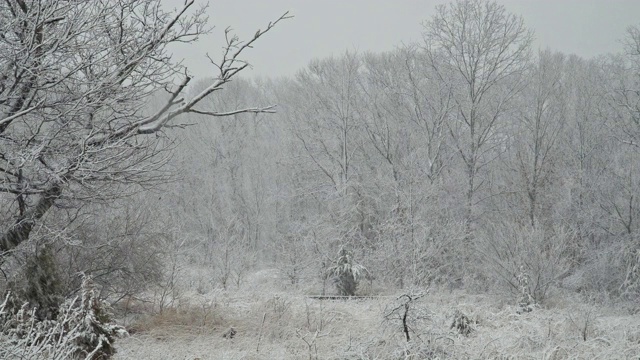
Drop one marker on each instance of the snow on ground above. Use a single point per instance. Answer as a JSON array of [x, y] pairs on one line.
[[273, 323]]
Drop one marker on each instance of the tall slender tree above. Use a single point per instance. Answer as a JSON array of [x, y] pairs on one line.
[[482, 51]]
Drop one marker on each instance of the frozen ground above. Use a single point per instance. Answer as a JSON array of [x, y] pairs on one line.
[[271, 323]]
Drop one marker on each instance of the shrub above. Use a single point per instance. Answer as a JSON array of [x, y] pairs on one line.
[[43, 289], [83, 329], [347, 273], [508, 252]]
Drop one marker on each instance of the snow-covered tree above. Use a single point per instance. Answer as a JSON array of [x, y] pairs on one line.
[[481, 51], [74, 79]]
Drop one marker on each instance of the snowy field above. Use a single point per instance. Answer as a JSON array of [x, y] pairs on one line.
[[271, 322]]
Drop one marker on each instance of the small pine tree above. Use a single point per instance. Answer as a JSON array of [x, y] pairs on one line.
[[44, 288], [347, 273], [463, 324], [98, 332], [526, 302]]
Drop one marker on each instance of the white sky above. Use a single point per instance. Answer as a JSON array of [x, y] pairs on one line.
[[324, 27]]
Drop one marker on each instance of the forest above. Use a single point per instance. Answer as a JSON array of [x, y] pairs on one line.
[[464, 196]]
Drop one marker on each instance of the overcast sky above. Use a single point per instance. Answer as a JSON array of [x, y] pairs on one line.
[[321, 28]]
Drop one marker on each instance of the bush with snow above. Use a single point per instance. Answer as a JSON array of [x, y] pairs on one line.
[[347, 273], [83, 329]]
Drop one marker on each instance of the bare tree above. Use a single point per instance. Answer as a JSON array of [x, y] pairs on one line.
[[587, 147], [328, 133], [325, 121], [74, 78], [537, 132], [481, 51], [403, 112], [404, 115], [622, 82], [632, 52], [618, 195], [624, 88], [430, 104]]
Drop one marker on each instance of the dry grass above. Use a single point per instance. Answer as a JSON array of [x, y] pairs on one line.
[[187, 319], [272, 323]]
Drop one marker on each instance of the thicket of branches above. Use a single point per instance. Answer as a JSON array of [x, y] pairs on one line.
[[466, 159]]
